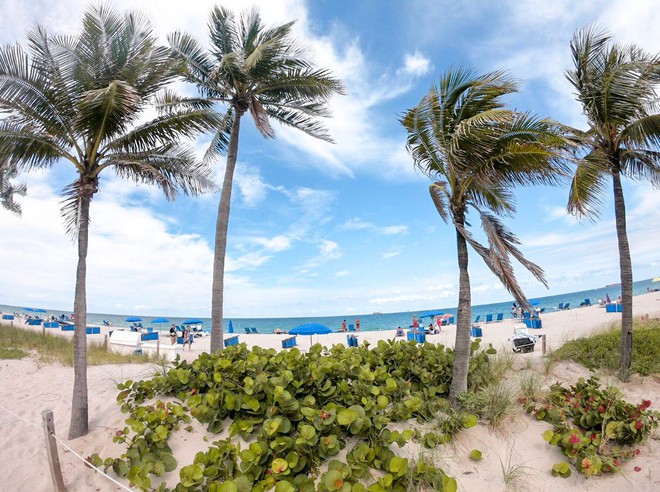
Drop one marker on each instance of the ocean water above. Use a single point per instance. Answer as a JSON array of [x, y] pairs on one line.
[[368, 322]]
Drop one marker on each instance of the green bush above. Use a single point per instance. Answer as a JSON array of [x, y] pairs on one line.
[[296, 411], [602, 351], [594, 427]]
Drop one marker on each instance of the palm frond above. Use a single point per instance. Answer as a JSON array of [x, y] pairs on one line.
[[260, 117], [587, 193], [9, 190], [71, 201], [642, 132], [439, 194], [300, 121], [27, 147], [197, 64], [170, 168], [220, 141], [167, 128], [642, 165]]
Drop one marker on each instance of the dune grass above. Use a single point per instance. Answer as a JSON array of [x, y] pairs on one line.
[[53, 348], [602, 351], [12, 353]]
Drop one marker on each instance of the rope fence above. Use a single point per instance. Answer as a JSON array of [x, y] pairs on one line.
[[51, 447]]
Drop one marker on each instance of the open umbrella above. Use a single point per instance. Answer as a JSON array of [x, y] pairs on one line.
[[310, 329], [431, 314], [193, 321], [133, 319], [534, 302], [160, 320]]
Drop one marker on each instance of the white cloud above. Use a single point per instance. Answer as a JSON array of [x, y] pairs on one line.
[[275, 244], [390, 254], [357, 224], [416, 64], [342, 273]]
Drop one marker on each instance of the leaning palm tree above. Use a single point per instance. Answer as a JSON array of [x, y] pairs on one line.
[[78, 100], [257, 70], [476, 151], [9, 190], [617, 87]]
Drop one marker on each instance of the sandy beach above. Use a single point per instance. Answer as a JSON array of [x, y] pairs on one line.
[[30, 387]]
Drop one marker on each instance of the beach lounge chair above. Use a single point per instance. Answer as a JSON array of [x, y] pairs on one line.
[[351, 328], [231, 341], [560, 307], [476, 320], [247, 330], [522, 340], [253, 330], [566, 306], [352, 340], [500, 317], [476, 332], [289, 342], [489, 318]]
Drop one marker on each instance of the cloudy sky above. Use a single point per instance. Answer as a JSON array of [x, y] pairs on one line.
[[320, 229]]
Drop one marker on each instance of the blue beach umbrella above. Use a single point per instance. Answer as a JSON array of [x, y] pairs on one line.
[[133, 319], [29, 309], [160, 320], [39, 310], [231, 327], [193, 321], [534, 302], [310, 329], [431, 314]]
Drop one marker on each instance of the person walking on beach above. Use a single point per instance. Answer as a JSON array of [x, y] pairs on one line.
[[415, 323], [343, 326], [186, 337], [357, 324], [438, 324], [173, 334]]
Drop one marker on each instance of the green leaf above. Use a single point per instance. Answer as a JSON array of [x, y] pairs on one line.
[[346, 417], [475, 455], [548, 435]]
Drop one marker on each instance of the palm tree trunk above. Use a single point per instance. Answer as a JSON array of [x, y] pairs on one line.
[[463, 321], [79, 410], [625, 267], [221, 227]]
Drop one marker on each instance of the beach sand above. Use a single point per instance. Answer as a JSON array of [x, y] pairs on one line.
[[28, 388]]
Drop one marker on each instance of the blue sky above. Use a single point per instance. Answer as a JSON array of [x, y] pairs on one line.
[[319, 229]]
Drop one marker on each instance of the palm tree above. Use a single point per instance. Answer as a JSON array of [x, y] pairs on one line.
[[8, 190], [260, 70], [616, 86], [475, 151], [79, 99]]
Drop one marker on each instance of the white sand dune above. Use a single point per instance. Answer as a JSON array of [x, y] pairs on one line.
[[28, 387]]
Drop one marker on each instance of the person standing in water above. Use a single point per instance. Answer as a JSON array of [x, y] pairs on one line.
[[357, 324]]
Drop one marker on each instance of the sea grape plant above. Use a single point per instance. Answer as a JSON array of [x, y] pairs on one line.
[[594, 427], [288, 416]]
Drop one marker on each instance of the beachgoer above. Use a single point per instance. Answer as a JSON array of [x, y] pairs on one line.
[[514, 310], [415, 323], [399, 332], [343, 326], [278, 331], [173, 334], [186, 337], [357, 324], [438, 324]]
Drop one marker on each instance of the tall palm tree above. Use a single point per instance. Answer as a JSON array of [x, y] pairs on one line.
[[476, 151], [79, 99], [258, 70], [617, 87], [8, 190]]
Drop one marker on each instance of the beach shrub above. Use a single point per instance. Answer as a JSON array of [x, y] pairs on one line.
[[603, 350], [594, 427], [12, 353], [287, 413]]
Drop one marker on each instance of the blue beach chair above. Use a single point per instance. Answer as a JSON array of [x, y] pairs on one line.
[[247, 330], [253, 330], [476, 320], [489, 318], [500, 317]]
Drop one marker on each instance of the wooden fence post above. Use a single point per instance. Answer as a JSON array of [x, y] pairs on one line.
[[105, 340], [158, 348], [51, 448], [543, 344]]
